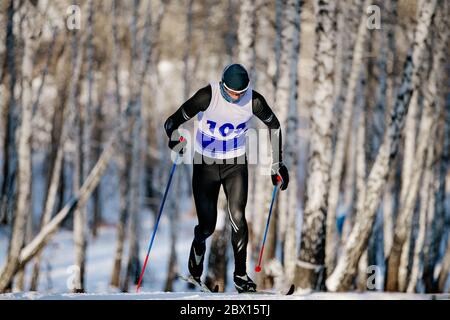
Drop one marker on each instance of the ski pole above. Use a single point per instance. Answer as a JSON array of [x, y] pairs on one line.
[[158, 218], [274, 194]]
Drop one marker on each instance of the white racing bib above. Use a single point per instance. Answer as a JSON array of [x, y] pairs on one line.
[[222, 128]]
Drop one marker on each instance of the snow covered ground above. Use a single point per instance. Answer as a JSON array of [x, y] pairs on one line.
[[223, 296]]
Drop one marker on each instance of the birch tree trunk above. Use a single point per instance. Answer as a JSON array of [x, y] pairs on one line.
[[137, 74], [350, 188], [89, 128], [121, 223], [187, 76], [337, 165], [246, 36], [410, 197], [80, 219], [286, 98], [132, 152], [9, 146], [346, 266], [389, 199], [361, 174], [425, 195], [347, 23], [407, 169], [97, 137], [437, 228], [310, 264], [22, 210], [61, 122]]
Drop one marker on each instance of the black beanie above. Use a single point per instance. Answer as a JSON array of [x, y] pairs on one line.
[[235, 77]]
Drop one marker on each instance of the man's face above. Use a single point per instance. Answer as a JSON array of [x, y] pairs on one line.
[[234, 95]]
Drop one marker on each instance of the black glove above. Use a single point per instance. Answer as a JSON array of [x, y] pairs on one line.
[[279, 169], [178, 143]]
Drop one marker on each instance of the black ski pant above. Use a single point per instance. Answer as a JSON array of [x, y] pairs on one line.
[[206, 182]]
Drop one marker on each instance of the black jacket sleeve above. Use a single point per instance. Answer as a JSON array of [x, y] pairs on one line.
[[197, 103], [262, 110]]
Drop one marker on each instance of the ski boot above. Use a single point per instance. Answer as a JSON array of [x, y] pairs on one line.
[[244, 284], [196, 258]]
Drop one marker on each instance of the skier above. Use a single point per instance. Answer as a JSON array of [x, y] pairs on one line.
[[224, 110]]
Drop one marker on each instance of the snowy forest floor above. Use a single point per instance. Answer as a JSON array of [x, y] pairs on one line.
[[224, 296]]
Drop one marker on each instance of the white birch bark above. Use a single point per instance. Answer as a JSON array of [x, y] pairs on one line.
[[361, 173], [121, 223], [425, 194], [260, 185], [22, 210], [286, 98], [79, 219], [246, 36], [432, 99], [310, 262], [388, 222], [187, 76], [407, 170], [350, 188], [131, 194], [410, 197], [343, 132], [438, 225], [346, 267], [390, 55]]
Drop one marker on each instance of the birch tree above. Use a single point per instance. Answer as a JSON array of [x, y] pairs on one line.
[[343, 132], [80, 219], [132, 151], [9, 145], [121, 223], [246, 36], [387, 96], [310, 263], [437, 231], [22, 210], [286, 97], [341, 278], [407, 206], [425, 195], [139, 69]]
